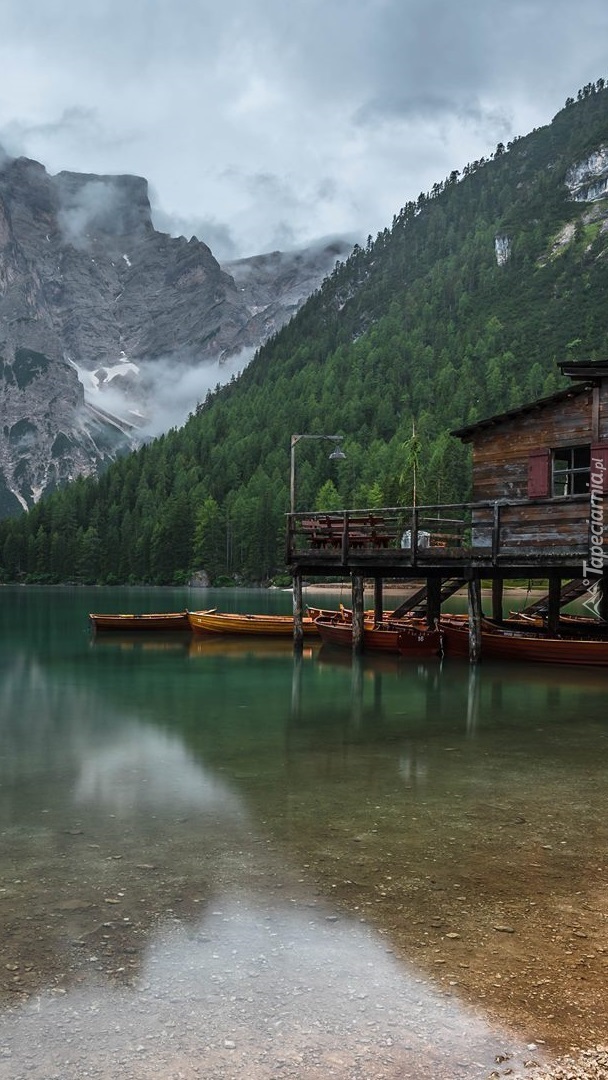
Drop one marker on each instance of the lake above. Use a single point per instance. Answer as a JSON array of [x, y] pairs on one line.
[[222, 860]]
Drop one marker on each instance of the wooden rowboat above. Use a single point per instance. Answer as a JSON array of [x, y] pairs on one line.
[[502, 643], [222, 622], [339, 632], [164, 621], [344, 614], [409, 639], [569, 625]]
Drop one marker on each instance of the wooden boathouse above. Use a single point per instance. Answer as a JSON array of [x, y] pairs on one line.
[[539, 477]]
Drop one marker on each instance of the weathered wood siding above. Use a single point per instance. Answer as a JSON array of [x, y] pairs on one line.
[[553, 527], [603, 413], [501, 452]]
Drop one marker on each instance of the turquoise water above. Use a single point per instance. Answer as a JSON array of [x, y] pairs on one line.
[[172, 810]]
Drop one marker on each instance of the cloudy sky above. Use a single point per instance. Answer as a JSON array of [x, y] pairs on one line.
[[264, 124]]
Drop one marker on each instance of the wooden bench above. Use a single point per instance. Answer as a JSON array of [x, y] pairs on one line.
[[320, 533], [326, 531]]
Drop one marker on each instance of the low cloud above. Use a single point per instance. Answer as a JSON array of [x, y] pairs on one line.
[[5, 159], [91, 205], [217, 235], [94, 205], [261, 128], [156, 395], [74, 128], [175, 387]]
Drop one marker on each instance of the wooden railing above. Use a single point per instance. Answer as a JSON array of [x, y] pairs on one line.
[[488, 531]]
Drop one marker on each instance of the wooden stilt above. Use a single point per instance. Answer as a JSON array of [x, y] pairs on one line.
[[433, 601], [497, 591], [298, 628], [554, 607], [474, 592], [378, 600], [357, 604]]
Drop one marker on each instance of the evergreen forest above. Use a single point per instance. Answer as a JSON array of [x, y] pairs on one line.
[[459, 309]]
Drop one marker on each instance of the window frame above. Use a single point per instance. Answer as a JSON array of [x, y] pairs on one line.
[[574, 477]]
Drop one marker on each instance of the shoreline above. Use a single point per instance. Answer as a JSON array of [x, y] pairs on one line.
[[590, 1064], [336, 587]]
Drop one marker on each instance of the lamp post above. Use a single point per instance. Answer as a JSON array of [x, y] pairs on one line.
[[337, 454]]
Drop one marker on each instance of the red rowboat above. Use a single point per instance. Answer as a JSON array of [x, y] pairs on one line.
[[502, 643], [411, 639]]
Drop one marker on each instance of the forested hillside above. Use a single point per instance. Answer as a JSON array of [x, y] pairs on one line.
[[462, 308]]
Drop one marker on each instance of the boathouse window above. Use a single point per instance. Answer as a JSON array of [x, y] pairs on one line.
[[571, 466], [563, 471]]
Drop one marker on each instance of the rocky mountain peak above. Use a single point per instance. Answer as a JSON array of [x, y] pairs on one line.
[[101, 207], [119, 329]]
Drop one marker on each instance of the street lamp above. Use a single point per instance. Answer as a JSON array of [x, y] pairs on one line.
[[337, 454]]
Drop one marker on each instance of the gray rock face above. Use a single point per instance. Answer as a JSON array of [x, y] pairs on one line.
[[588, 180], [101, 315], [502, 248], [273, 286]]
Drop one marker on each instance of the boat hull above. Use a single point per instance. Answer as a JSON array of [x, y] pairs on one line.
[[420, 641], [414, 640], [509, 645], [156, 621], [220, 622]]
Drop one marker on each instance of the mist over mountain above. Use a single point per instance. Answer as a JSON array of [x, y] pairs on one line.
[[110, 331]]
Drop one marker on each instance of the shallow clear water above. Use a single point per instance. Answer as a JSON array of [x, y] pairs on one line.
[[217, 859]]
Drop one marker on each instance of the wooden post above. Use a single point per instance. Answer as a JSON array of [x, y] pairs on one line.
[[298, 628], [433, 601], [378, 600], [357, 604], [497, 590], [554, 607], [345, 527], [475, 613], [290, 538], [414, 551], [496, 534]]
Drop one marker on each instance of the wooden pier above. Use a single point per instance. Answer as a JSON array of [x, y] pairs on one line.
[[448, 547], [539, 481]]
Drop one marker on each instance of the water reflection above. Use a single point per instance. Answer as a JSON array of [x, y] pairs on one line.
[[253, 990], [147, 770], [146, 785]]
